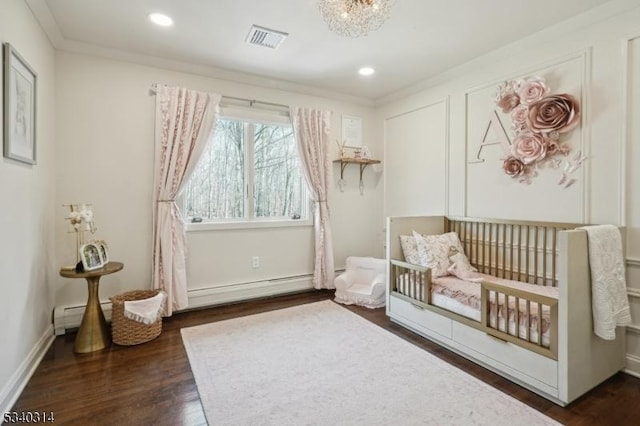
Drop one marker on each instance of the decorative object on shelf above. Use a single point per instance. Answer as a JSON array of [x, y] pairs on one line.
[[19, 107], [363, 163], [90, 257], [539, 120], [364, 153], [80, 220], [355, 18]]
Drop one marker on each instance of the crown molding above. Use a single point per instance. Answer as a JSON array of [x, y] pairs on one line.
[[43, 15]]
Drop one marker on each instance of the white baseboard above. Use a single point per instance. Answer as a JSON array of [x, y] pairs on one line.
[[211, 296], [10, 392], [633, 365], [69, 317]]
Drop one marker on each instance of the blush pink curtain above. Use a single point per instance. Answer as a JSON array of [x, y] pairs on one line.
[[311, 128], [184, 123]]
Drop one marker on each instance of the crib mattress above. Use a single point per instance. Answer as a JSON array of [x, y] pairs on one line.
[[463, 298]]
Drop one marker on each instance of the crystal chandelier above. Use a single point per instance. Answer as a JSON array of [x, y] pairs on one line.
[[354, 18]]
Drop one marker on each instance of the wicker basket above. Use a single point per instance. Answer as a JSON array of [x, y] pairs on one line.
[[126, 331]]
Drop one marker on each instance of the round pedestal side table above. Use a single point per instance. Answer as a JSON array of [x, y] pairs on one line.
[[93, 334]]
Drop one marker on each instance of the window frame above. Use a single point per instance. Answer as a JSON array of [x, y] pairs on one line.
[[251, 116]]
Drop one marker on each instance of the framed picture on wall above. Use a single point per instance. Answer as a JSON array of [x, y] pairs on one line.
[[90, 256], [19, 107], [351, 131]]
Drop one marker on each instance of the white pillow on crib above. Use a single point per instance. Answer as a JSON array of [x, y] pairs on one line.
[[410, 249], [435, 252]]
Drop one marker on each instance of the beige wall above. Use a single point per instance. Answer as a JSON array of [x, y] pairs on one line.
[[594, 56], [105, 124], [27, 194]]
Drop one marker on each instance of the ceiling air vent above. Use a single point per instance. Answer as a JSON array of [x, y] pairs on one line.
[[265, 37]]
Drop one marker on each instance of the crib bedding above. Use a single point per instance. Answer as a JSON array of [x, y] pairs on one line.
[[464, 298]]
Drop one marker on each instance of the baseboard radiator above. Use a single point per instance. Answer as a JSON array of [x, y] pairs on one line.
[[69, 317]]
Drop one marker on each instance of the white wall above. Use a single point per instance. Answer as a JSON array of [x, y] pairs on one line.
[[27, 193], [105, 124], [593, 56]]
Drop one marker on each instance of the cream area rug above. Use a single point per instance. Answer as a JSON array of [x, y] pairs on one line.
[[320, 364]]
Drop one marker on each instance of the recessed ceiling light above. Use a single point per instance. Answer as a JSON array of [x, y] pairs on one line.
[[161, 19], [366, 71]]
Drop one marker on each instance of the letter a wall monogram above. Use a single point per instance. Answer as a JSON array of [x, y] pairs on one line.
[[500, 137]]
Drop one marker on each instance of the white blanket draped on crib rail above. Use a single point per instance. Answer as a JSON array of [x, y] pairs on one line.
[[610, 303]]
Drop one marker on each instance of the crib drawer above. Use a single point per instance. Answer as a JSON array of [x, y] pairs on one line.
[[531, 364], [419, 318]]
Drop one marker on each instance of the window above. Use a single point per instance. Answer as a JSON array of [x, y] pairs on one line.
[[249, 171]]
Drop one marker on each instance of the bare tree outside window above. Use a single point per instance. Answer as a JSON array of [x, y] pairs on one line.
[[223, 188]]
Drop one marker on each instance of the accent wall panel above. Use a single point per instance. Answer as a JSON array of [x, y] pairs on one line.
[[490, 192], [416, 161], [633, 152]]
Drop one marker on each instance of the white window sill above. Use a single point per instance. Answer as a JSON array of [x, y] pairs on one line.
[[246, 224]]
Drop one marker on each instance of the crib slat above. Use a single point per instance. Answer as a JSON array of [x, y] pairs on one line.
[[505, 308], [511, 237], [544, 257], [527, 251], [412, 280], [535, 256], [519, 271], [517, 310], [484, 306], [554, 282], [490, 248], [484, 247], [528, 320], [504, 249], [467, 240], [476, 236], [539, 325]]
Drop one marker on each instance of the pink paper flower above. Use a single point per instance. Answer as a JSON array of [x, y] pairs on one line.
[[513, 167], [552, 148], [529, 147], [560, 113], [532, 90], [507, 98], [519, 118]]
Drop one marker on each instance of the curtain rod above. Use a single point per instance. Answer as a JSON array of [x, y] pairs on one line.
[[154, 88]]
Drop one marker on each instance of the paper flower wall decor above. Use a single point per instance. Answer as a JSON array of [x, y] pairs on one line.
[[539, 120]]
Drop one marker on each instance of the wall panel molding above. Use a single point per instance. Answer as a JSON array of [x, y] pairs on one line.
[[446, 104], [583, 55], [624, 139]]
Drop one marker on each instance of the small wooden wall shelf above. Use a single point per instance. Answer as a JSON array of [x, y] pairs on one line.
[[360, 161]]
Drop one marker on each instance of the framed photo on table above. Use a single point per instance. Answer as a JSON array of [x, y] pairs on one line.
[[90, 256], [104, 251], [19, 107]]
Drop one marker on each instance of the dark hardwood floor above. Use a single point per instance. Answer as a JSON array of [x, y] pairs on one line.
[[152, 384]]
